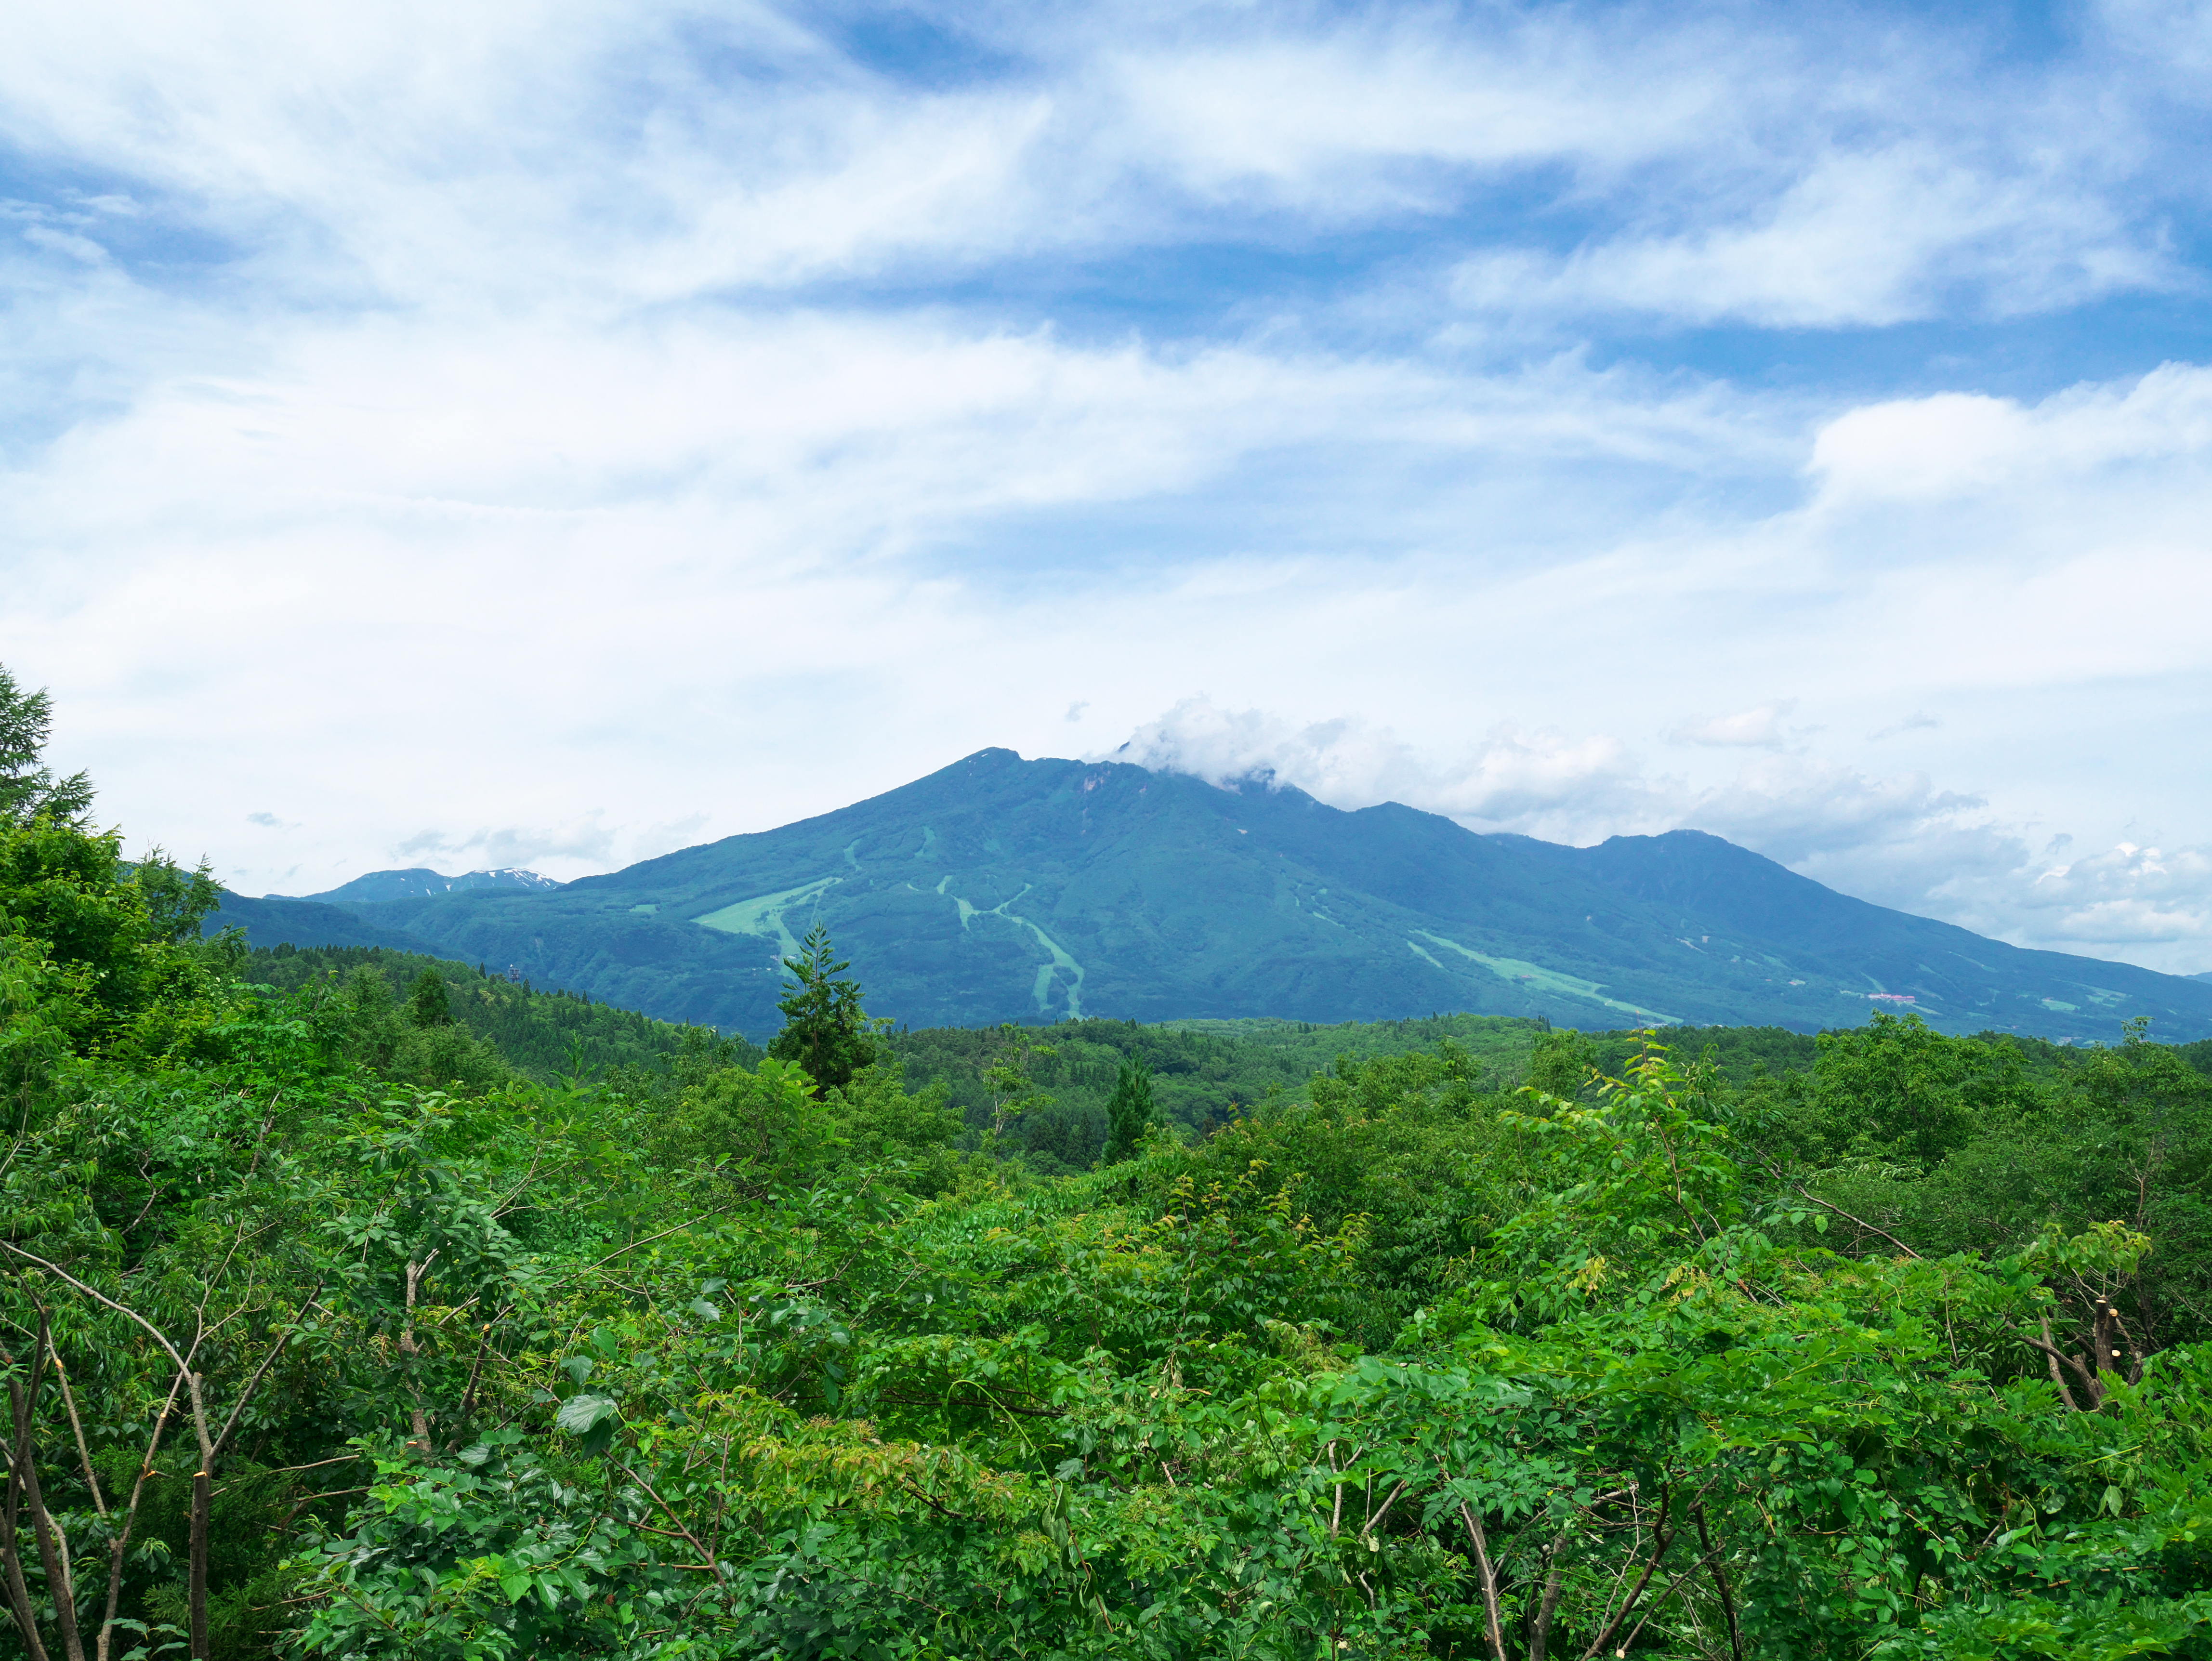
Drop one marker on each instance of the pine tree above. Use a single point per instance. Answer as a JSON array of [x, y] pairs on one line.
[[28, 790], [431, 1003], [1129, 1112], [824, 1029]]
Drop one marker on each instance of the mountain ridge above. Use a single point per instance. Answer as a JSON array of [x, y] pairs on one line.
[[421, 882], [999, 888]]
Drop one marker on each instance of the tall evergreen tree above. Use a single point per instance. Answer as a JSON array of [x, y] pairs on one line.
[[29, 790], [824, 1029], [1130, 1111], [431, 1003]]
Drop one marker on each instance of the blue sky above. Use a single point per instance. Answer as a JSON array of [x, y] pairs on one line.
[[555, 434]]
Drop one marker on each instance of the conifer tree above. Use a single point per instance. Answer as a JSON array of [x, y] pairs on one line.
[[431, 1003], [824, 1029], [1130, 1111], [29, 790]]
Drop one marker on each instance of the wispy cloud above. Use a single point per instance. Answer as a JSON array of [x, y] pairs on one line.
[[1760, 728], [1915, 722]]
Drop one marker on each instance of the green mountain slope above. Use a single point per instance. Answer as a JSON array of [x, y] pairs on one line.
[[1003, 888]]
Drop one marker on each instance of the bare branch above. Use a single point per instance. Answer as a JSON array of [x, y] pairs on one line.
[[1664, 1539], [62, 1275]]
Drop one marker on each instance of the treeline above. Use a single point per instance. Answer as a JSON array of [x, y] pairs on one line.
[[1203, 1073], [1899, 1354]]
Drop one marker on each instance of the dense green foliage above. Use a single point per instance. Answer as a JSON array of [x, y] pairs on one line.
[[1199, 1074], [1042, 891], [312, 1352]]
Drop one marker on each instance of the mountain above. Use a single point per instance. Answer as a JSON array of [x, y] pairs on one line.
[[275, 920], [420, 883], [1002, 889], [335, 916]]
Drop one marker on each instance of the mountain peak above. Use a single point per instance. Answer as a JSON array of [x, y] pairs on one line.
[[420, 882]]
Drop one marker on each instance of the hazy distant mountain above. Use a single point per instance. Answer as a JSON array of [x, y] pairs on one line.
[[1002, 889], [419, 883], [276, 919]]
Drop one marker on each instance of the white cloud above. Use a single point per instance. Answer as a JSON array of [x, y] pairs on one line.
[[2128, 894], [1508, 779], [82, 249], [587, 839], [1759, 728], [1854, 238], [1953, 445], [1333, 119]]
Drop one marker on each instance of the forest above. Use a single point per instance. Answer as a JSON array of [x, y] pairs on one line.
[[355, 1306]]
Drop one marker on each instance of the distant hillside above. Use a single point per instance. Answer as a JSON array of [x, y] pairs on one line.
[[540, 1032], [1204, 1073], [1041, 891], [420, 883], [272, 921]]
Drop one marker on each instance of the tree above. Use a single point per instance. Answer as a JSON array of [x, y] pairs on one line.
[[825, 1030], [29, 790], [1011, 1081], [431, 1003], [1129, 1112], [1561, 1062]]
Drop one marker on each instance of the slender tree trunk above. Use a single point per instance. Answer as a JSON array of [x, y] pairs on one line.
[[53, 1548], [1482, 1564], [121, 1543], [1547, 1606], [203, 1506], [19, 1593], [1662, 1538], [53, 1554], [203, 1503], [2051, 1360], [1721, 1586], [420, 1442]]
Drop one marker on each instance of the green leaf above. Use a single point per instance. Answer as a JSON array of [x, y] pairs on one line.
[[581, 1414]]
